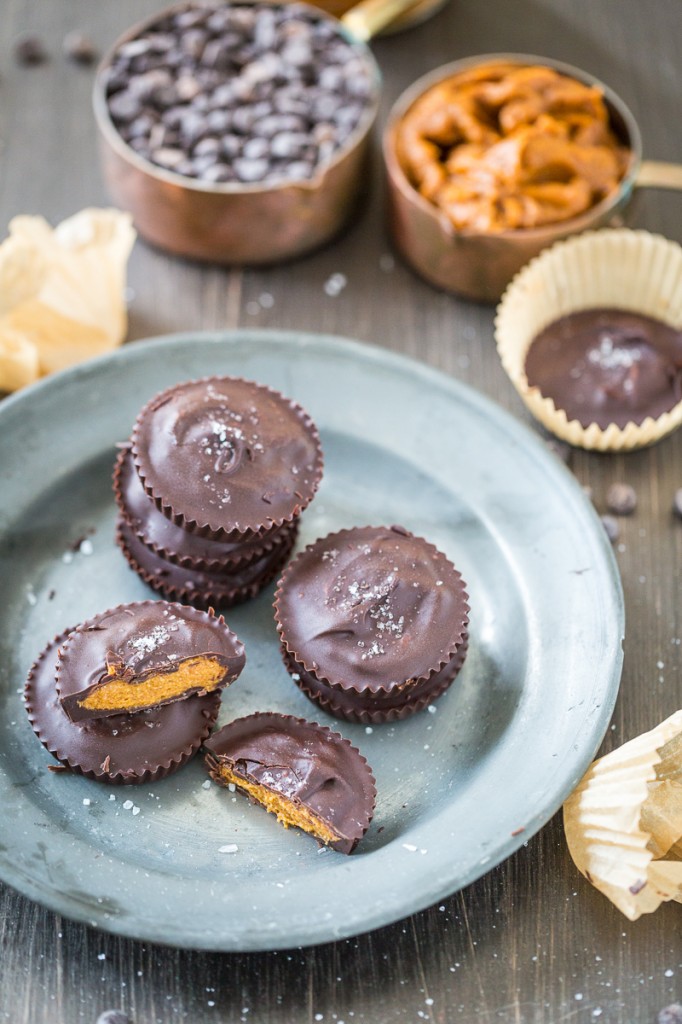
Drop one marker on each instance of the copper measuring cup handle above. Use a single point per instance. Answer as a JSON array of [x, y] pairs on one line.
[[369, 17], [657, 174]]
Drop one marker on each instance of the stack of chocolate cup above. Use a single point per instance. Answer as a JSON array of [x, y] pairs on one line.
[[373, 623], [211, 486]]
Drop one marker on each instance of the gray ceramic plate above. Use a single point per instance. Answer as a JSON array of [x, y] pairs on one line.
[[460, 786]]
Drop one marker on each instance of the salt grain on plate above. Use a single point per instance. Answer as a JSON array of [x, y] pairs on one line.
[[228, 848], [335, 284]]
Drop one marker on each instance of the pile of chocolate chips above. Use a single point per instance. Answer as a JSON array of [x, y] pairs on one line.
[[239, 93]]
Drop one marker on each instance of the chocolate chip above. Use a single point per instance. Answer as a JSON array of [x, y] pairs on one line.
[[621, 499], [79, 48], [29, 49], [670, 1014], [254, 93], [114, 1017], [677, 503], [612, 527]]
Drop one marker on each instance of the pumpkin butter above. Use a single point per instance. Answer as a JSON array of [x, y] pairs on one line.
[[501, 147]]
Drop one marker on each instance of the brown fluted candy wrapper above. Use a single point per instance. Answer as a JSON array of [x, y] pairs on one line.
[[624, 821], [171, 542], [198, 588], [227, 458]]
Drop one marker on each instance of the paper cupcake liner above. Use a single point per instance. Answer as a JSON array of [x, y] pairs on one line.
[[238, 531], [623, 823], [183, 548], [42, 705], [199, 589], [611, 268], [341, 705], [362, 783], [321, 673]]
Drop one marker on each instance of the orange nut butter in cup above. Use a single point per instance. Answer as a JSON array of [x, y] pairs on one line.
[[500, 147]]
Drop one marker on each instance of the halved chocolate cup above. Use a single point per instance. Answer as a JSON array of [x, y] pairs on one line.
[[310, 777], [121, 749]]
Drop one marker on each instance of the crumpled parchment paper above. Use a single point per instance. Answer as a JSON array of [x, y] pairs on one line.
[[61, 292], [624, 821]]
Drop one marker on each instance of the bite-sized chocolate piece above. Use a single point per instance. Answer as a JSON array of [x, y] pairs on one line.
[[677, 503], [227, 458], [373, 709], [29, 49], [621, 499], [171, 542], [307, 775], [199, 588], [608, 366], [144, 655], [121, 749], [373, 611], [612, 527]]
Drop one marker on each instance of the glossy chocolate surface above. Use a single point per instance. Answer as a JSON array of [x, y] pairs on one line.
[[201, 588], [608, 366], [224, 456], [122, 748], [136, 641], [173, 543], [371, 608], [306, 763]]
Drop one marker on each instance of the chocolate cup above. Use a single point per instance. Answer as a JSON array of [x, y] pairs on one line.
[[352, 636], [361, 708], [136, 641], [123, 749], [306, 763], [174, 544], [264, 450], [197, 588]]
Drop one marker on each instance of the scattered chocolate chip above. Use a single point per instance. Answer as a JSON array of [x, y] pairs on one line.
[[677, 503], [29, 49], [610, 524], [621, 499], [79, 48], [670, 1014]]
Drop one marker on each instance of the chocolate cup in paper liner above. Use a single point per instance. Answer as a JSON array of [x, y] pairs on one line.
[[199, 588], [372, 610], [362, 708], [623, 822], [609, 269], [227, 458], [135, 642], [122, 749], [311, 767], [173, 543]]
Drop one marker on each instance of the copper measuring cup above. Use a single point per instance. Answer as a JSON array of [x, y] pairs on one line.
[[478, 265], [236, 223]]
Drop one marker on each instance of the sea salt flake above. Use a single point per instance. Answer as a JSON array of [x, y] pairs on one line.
[[206, 785], [228, 848], [335, 284], [409, 847], [127, 805], [85, 547], [86, 801]]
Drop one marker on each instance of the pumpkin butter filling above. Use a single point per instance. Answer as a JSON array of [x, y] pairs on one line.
[[201, 673], [288, 813]]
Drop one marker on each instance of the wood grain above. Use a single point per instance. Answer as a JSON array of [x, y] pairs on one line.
[[530, 942]]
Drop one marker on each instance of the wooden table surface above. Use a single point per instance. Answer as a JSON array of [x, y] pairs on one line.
[[531, 941]]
